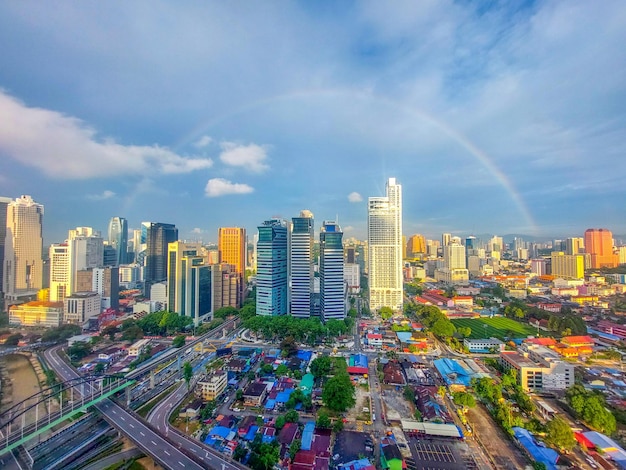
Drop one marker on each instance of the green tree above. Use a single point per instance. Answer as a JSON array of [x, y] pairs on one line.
[[280, 422], [240, 452], [338, 393], [179, 341], [239, 394], [79, 350], [289, 346], [385, 313], [323, 420], [109, 331], [338, 426], [559, 434], [187, 373], [132, 334], [409, 394], [464, 399], [320, 366], [282, 370], [13, 339], [417, 415], [225, 312], [294, 447], [267, 369], [292, 416], [443, 328]]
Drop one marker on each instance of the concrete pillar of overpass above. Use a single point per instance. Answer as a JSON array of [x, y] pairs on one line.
[[152, 378], [224, 332], [179, 362], [127, 396]]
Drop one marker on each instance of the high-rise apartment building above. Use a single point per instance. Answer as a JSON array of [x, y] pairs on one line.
[[384, 228], [416, 246], [599, 244], [83, 250], [23, 265], [445, 239], [272, 261], [332, 284], [574, 246], [224, 286], [568, 266], [158, 237], [188, 280], [118, 238], [454, 256], [231, 247], [301, 265]]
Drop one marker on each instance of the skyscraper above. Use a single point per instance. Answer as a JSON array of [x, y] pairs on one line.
[[157, 238], [188, 280], [231, 245], [4, 202], [272, 292], [118, 238], [574, 245], [84, 249], [599, 244], [301, 265], [416, 245], [384, 228], [332, 285], [23, 265], [568, 266]]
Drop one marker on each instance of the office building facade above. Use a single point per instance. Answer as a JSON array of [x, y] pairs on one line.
[[599, 244], [23, 265], [568, 266], [231, 247], [384, 227], [332, 284], [301, 265], [158, 237], [272, 268], [118, 239]]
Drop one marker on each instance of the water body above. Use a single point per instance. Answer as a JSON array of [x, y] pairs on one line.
[[24, 382]]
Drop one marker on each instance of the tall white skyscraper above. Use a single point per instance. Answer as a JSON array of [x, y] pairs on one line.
[[332, 285], [301, 265], [23, 265], [384, 229], [84, 249], [454, 256]]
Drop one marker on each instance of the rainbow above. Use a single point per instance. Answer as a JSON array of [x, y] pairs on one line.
[[480, 156]]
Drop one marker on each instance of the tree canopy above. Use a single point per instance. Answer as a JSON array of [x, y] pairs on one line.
[[338, 393], [590, 406], [559, 434], [320, 366]]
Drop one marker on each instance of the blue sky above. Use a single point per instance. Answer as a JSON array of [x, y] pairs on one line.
[[501, 117]]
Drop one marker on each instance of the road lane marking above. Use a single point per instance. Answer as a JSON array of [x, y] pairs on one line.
[[153, 443], [181, 464], [166, 452], [141, 432], [131, 425]]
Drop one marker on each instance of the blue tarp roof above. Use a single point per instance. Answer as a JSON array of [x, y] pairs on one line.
[[609, 446], [251, 432], [270, 404], [604, 335], [453, 372], [307, 435], [283, 396], [541, 454], [357, 464], [360, 360], [304, 355], [221, 431]]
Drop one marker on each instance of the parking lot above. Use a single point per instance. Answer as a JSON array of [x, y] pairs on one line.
[[432, 454]]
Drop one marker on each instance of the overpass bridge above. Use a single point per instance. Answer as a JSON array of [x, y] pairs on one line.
[[46, 409]]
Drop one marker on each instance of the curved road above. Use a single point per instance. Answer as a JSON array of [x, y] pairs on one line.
[[145, 438], [159, 417]]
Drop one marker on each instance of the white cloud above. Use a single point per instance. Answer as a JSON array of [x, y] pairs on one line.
[[65, 147], [216, 187], [251, 157], [348, 228], [204, 141], [106, 194], [355, 197], [197, 230]]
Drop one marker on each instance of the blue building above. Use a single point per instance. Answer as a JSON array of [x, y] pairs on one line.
[[301, 265], [332, 285], [118, 238], [272, 260]]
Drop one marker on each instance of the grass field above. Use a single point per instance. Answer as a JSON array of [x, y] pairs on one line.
[[498, 327]]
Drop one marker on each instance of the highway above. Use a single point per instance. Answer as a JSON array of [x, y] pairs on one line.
[[147, 440]]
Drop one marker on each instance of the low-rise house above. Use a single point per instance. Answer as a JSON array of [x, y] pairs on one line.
[[254, 394], [393, 374], [375, 340], [391, 457], [246, 423], [235, 365]]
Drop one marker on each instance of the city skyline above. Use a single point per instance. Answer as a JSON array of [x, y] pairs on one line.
[[510, 110]]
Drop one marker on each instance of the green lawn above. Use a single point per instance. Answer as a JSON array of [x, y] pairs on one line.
[[499, 327]]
